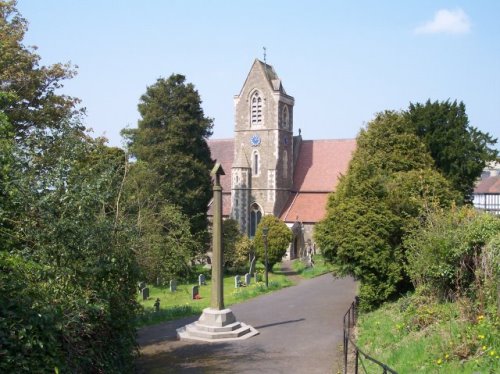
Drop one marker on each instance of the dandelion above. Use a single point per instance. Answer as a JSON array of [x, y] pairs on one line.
[[484, 348], [439, 362], [447, 356], [481, 337], [480, 317], [492, 353]]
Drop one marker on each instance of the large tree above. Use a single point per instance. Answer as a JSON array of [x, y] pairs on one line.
[[460, 151], [171, 140], [390, 182], [279, 237]]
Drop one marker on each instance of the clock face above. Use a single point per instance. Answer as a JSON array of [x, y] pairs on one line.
[[255, 140]]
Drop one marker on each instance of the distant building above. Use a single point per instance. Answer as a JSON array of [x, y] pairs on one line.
[[269, 170], [487, 191]]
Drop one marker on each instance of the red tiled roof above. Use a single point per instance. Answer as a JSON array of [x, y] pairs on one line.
[[305, 207], [320, 163], [222, 150], [488, 185], [226, 205]]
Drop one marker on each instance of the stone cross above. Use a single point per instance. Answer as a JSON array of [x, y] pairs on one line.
[[201, 280], [195, 292], [217, 298], [173, 285]]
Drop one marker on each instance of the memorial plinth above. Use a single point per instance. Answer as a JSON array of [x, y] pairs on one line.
[[217, 323]]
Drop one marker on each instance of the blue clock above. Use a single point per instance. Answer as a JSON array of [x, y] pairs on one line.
[[255, 140]]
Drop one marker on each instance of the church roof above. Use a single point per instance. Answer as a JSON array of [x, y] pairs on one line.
[[222, 150], [309, 207], [320, 164]]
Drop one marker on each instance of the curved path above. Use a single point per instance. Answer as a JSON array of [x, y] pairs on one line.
[[300, 332]]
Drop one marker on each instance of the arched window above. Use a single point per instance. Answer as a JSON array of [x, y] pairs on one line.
[[256, 109], [255, 216], [285, 117], [256, 163]]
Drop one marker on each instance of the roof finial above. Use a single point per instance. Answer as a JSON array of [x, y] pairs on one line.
[[264, 48]]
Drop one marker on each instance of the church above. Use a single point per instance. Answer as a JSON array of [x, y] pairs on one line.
[[269, 168]]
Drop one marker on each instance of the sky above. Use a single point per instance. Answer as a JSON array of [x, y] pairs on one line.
[[342, 61]]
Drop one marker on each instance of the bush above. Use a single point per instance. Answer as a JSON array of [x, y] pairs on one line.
[[278, 239]]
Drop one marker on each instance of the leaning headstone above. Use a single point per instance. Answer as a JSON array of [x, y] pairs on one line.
[[237, 281], [141, 286], [195, 292], [145, 293], [201, 280], [248, 279]]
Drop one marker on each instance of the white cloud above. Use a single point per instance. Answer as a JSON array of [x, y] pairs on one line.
[[447, 22]]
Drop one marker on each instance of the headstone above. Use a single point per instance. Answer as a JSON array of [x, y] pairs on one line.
[[201, 280], [173, 285], [158, 281], [145, 293], [141, 285], [195, 292], [237, 281], [252, 265], [248, 279]]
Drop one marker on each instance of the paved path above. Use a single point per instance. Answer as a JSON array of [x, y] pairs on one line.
[[300, 332]]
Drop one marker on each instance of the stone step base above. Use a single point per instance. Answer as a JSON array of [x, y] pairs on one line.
[[192, 331]]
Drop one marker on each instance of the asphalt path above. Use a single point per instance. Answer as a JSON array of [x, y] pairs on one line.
[[300, 331]]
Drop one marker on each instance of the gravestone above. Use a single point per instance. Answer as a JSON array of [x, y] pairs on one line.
[[248, 279], [201, 280], [173, 285], [145, 293], [237, 281], [195, 292], [158, 281]]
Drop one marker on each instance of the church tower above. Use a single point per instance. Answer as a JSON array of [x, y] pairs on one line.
[[262, 174]]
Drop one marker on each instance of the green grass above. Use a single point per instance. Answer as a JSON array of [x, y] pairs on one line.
[[174, 305], [320, 267], [422, 336]]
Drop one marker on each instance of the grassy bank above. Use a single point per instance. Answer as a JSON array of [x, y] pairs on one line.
[[419, 335], [179, 304]]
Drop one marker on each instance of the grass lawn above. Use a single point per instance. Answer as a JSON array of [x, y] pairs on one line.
[[430, 337], [179, 304], [320, 267]]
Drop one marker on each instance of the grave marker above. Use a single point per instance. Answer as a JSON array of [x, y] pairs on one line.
[[195, 292], [248, 279], [237, 281], [173, 285], [145, 293], [202, 280]]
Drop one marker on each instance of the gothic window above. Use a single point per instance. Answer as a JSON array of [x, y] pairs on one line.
[[255, 216], [256, 163], [256, 109], [285, 117]]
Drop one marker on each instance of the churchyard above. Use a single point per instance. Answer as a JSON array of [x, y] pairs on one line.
[[180, 303]]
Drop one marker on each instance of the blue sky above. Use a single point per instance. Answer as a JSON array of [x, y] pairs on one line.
[[343, 61]]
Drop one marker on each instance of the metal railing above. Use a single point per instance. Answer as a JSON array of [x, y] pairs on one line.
[[350, 319]]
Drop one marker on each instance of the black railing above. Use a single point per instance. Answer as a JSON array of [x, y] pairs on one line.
[[350, 319]]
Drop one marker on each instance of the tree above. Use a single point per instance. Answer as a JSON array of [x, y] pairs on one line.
[[171, 141], [230, 237], [34, 101], [460, 151], [279, 238], [389, 184]]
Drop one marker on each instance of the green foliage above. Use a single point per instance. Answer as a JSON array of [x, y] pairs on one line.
[[447, 253], [230, 238], [460, 151], [278, 239], [34, 103], [67, 272], [171, 142], [390, 183]]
